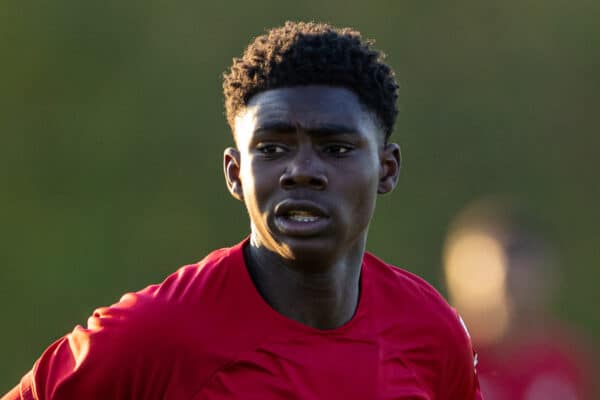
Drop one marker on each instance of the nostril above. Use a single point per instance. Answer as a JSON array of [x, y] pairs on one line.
[[286, 182], [290, 181], [318, 183]]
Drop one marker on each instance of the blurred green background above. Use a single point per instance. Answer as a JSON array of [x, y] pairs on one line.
[[112, 131]]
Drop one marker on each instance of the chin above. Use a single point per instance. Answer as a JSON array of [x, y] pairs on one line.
[[312, 251]]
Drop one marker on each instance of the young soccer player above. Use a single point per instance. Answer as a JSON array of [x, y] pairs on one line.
[[297, 310], [502, 272]]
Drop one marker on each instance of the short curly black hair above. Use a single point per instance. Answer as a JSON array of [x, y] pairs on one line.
[[308, 53]]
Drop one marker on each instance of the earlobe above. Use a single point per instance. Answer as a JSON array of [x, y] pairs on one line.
[[231, 168], [390, 168]]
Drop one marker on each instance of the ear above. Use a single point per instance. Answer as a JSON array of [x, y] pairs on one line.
[[391, 160], [231, 168]]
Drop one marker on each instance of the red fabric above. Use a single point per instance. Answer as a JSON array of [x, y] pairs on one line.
[[544, 364], [206, 333]]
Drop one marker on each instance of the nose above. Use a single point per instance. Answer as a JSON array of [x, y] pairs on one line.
[[304, 170]]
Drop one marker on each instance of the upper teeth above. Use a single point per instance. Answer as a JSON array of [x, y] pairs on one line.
[[302, 216]]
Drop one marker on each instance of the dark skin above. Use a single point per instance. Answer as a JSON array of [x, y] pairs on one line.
[[309, 164]]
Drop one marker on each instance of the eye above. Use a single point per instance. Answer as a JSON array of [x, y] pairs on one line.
[[270, 148], [338, 149]]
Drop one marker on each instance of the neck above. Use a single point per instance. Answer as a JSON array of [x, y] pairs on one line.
[[322, 296]]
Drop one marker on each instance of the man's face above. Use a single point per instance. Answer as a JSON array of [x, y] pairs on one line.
[[309, 163]]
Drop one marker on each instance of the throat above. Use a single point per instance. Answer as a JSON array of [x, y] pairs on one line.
[[323, 300]]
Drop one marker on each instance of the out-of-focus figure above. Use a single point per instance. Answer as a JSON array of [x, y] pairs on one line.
[[501, 273]]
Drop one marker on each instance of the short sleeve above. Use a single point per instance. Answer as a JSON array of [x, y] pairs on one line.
[[460, 373], [105, 360]]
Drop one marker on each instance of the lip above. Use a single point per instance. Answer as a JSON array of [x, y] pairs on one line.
[[298, 228], [286, 206]]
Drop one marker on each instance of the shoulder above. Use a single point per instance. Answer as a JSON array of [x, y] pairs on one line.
[[412, 300], [404, 291], [145, 334], [192, 287], [419, 321], [194, 280]]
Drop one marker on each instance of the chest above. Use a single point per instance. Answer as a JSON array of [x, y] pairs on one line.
[[309, 368]]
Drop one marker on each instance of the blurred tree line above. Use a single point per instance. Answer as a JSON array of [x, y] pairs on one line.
[[112, 131]]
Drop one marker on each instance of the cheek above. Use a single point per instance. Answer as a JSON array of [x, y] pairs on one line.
[[364, 177], [361, 188], [258, 183]]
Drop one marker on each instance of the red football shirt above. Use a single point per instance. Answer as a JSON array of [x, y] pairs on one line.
[[545, 363], [206, 333]]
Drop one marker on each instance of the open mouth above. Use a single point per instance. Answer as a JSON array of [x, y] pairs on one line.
[[301, 218]]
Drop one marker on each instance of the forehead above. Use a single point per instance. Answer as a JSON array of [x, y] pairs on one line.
[[306, 107]]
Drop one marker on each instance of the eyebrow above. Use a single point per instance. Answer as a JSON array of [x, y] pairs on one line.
[[317, 130]]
